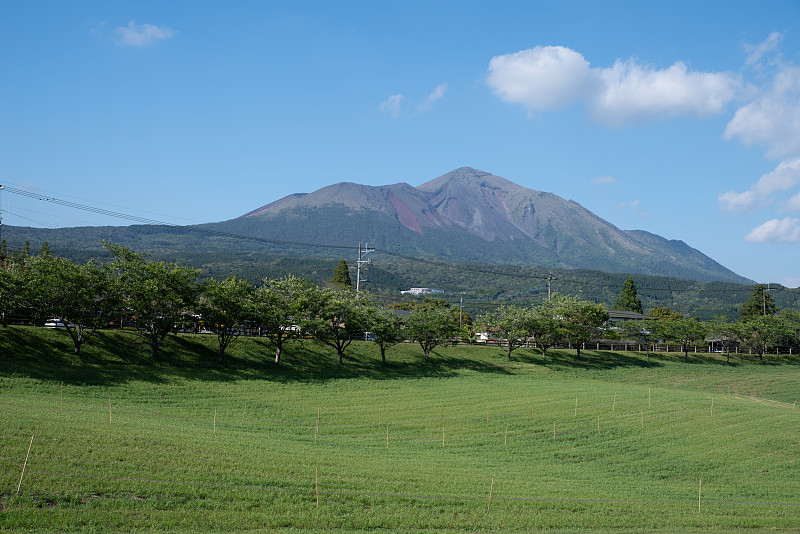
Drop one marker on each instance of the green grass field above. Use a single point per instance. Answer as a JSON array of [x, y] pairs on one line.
[[192, 445]]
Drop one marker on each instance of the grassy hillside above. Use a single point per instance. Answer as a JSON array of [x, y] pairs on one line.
[[189, 445]]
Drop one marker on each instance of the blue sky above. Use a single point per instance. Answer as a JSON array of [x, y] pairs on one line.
[[679, 118]]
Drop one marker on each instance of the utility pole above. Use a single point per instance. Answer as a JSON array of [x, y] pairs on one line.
[[550, 278], [360, 262]]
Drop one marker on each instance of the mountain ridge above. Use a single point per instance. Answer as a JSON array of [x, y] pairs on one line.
[[478, 209]]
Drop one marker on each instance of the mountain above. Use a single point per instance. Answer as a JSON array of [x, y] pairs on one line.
[[464, 216], [475, 216]]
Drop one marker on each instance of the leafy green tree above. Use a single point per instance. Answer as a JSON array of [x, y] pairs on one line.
[[791, 327], [628, 300], [510, 323], [279, 306], [581, 320], [431, 328], [683, 331], [546, 326], [80, 295], [224, 307], [759, 303], [639, 331], [156, 293], [664, 314], [759, 332], [12, 287], [341, 276], [337, 316], [725, 332], [386, 330]]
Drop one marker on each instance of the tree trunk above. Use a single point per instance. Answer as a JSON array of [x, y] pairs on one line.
[[278, 350], [578, 351], [509, 350], [383, 355], [340, 355]]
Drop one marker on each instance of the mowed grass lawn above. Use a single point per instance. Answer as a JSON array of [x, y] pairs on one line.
[[466, 441]]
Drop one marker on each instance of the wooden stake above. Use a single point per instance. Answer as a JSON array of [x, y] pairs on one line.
[[532, 410], [505, 442], [793, 405], [576, 406], [614, 406], [241, 425], [554, 430], [699, 494], [491, 488], [443, 437], [316, 483], [24, 466]]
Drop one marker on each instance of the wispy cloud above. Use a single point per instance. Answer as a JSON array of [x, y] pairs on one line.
[[393, 105], [772, 119], [634, 207], [437, 94], [786, 230], [786, 176], [757, 51], [604, 180], [547, 78], [397, 105], [142, 34]]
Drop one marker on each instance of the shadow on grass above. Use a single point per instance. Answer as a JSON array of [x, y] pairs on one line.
[[589, 360], [114, 357]]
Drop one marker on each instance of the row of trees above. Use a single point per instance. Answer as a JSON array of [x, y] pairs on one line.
[[155, 298]]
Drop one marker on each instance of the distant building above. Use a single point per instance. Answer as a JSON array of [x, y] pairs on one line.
[[620, 315], [422, 291]]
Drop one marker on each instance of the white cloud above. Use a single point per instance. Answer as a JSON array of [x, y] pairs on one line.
[[772, 119], [793, 204], [604, 180], [542, 78], [786, 176], [786, 230], [393, 105], [547, 78], [437, 94], [632, 93], [142, 34]]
